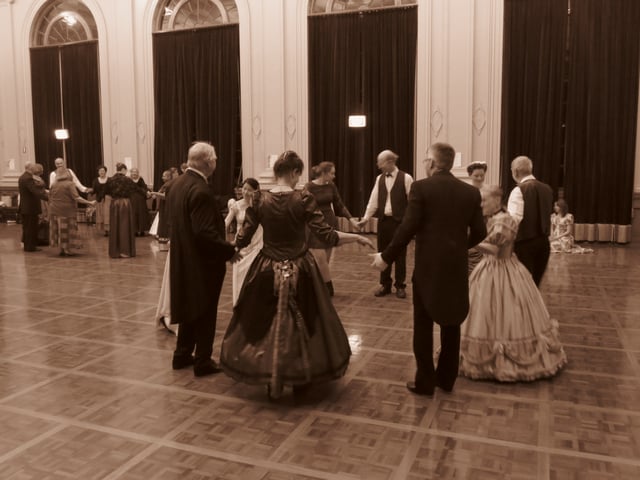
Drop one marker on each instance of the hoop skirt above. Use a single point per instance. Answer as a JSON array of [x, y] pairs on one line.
[[508, 334], [284, 329]]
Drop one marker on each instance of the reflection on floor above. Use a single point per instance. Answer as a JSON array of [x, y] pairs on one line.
[[87, 392]]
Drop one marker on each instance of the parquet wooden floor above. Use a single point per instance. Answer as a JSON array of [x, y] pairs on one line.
[[87, 390]]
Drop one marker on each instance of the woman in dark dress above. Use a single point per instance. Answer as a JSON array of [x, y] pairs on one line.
[[160, 196], [122, 241], [103, 200], [284, 329], [139, 203], [330, 204]]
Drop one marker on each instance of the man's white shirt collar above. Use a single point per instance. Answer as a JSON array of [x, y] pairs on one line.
[[199, 173]]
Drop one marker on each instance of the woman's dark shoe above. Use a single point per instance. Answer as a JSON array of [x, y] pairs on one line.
[[301, 389], [329, 285]]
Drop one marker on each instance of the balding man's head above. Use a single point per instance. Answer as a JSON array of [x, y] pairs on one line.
[[386, 161], [521, 167]]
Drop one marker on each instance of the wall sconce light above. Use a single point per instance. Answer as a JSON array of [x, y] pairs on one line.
[[61, 134], [357, 121]]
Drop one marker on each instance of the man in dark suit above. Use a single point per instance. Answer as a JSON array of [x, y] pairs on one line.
[[445, 215], [388, 202], [32, 191], [198, 255], [531, 204]]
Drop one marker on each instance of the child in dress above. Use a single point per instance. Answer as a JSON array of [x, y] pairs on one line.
[[561, 238]]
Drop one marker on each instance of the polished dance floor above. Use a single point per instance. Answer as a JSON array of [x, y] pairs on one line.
[[87, 390]]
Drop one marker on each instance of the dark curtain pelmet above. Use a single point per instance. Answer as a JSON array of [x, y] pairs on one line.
[[46, 105], [362, 63], [197, 97], [532, 82], [602, 110]]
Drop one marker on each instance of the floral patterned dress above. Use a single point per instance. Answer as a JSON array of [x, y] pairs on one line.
[[561, 239]]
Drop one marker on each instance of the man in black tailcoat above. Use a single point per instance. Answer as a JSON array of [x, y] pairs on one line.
[[445, 216], [199, 253]]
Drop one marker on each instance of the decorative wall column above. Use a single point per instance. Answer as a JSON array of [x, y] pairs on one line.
[[11, 135], [458, 81], [122, 78]]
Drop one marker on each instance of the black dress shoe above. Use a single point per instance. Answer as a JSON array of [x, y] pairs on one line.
[[208, 368], [401, 293], [445, 388], [182, 362], [33, 250], [382, 291], [411, 386]]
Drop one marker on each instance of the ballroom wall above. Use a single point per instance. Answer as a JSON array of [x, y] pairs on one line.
[[457, 90]]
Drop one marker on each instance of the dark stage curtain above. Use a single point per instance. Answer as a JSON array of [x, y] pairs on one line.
[[45, 98], [532, 85], [362, 63], [81, 103], [602, 110], [197, 97]]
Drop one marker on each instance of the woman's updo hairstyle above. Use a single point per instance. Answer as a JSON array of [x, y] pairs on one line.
[[476, 166], [287, 162], [252, 182]]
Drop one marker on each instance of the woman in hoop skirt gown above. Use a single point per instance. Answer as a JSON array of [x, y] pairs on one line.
[[284, 329], [508, 334]]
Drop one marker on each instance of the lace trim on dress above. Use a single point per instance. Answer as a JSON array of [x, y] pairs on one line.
[[522, 359]]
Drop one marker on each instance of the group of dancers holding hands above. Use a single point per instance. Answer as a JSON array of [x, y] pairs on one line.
[[285, 331]]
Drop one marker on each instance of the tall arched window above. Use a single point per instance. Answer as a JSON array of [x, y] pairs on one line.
[[65, 87], [362, 60], [182, 14], [196, 63], [339, 6]]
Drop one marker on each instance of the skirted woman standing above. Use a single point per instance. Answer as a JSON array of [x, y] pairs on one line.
[[122, 240], [63, 213], [284, 329]]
